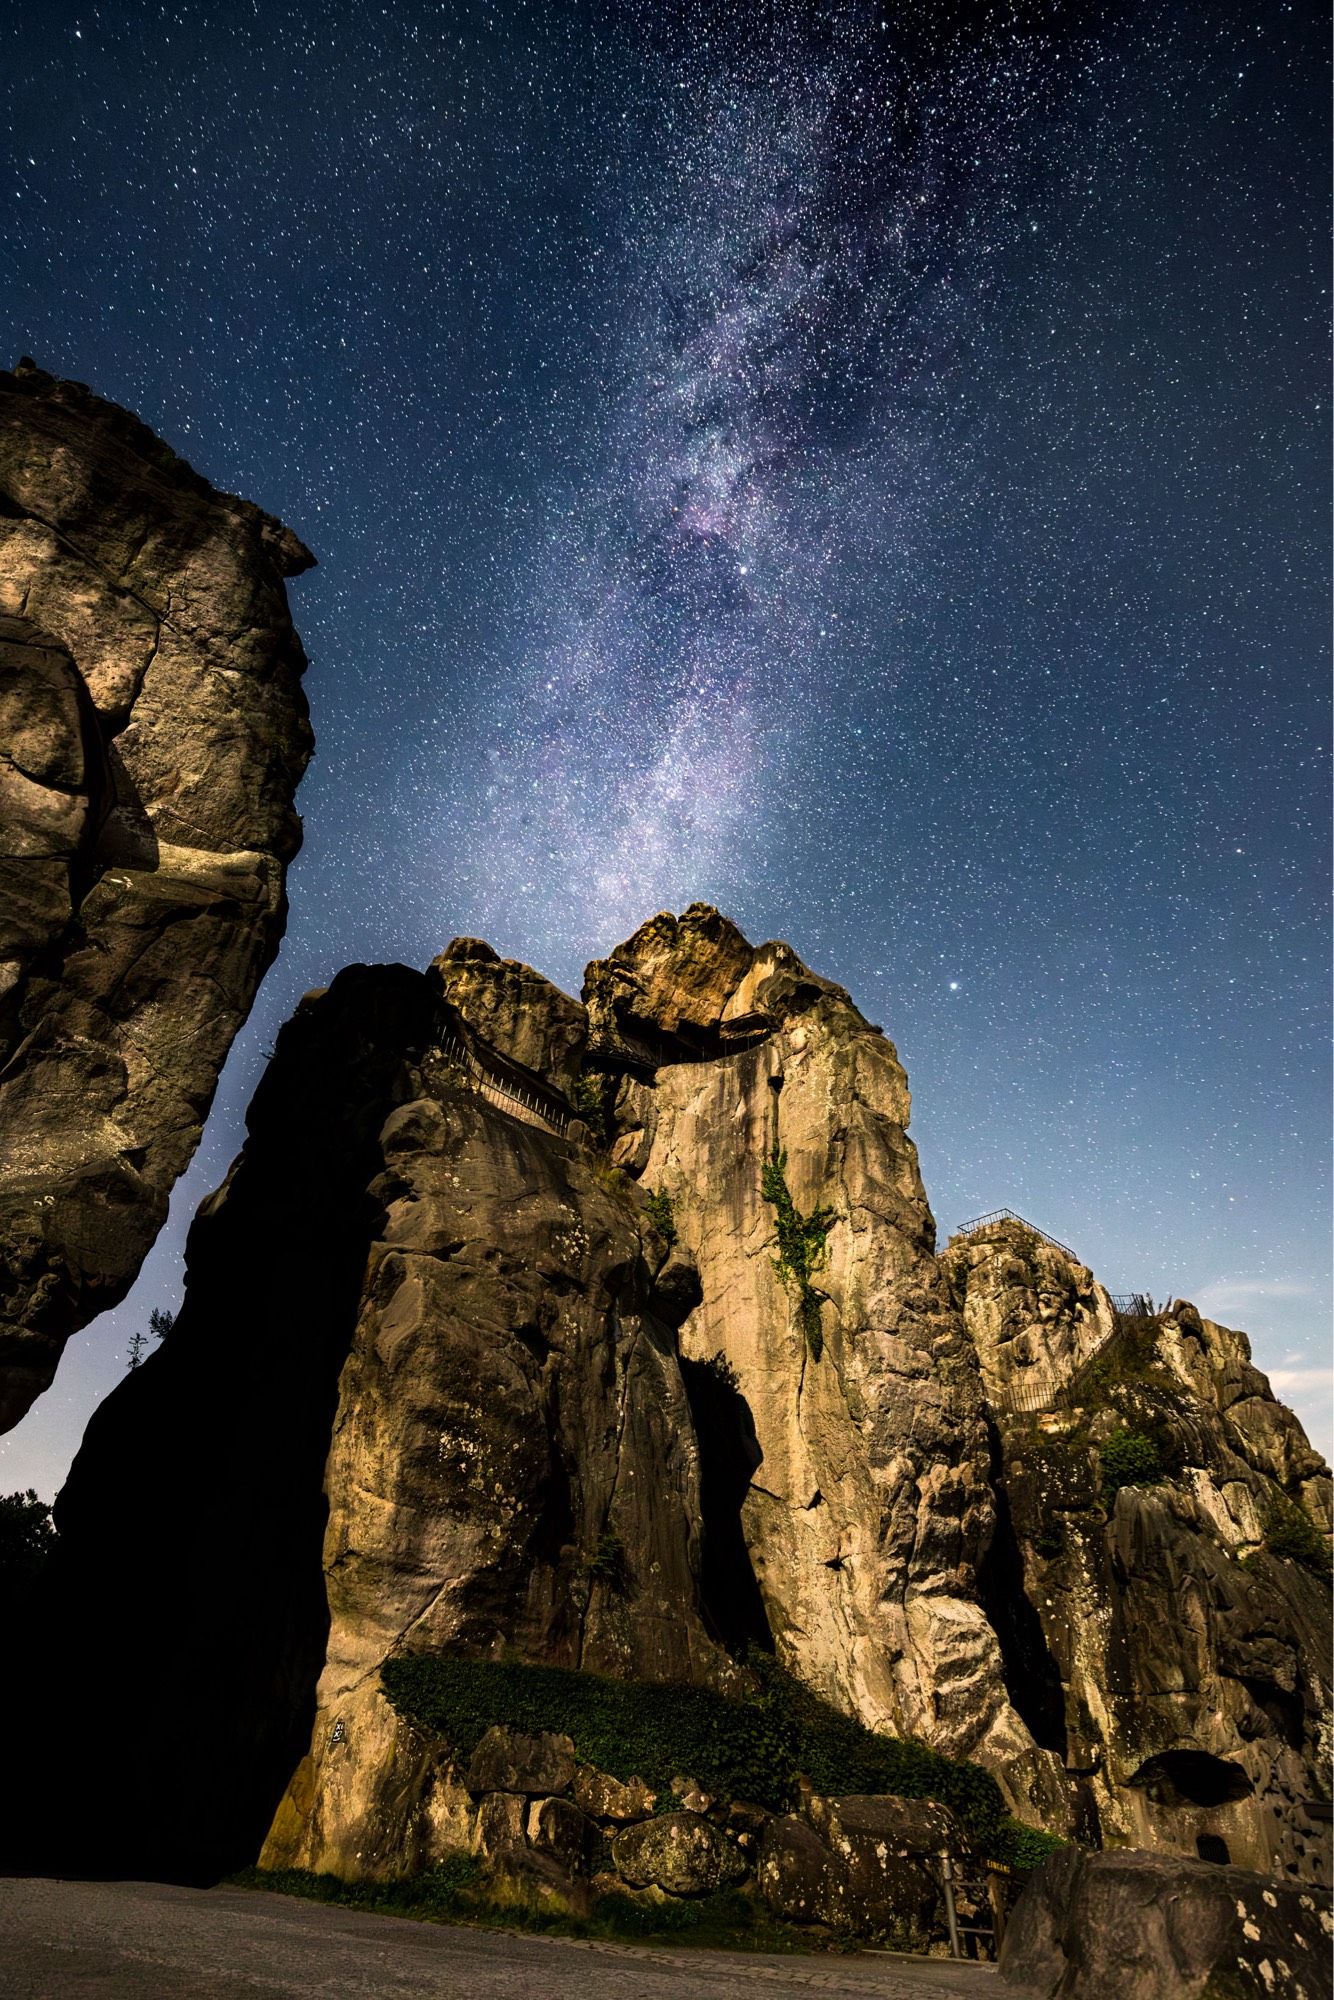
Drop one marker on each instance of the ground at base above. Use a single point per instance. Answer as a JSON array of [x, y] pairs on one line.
[[151, 1941]]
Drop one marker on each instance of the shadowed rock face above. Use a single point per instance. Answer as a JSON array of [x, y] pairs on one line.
[[1151, 1927], [152, 735], [423, 1393], [1193, 1665]]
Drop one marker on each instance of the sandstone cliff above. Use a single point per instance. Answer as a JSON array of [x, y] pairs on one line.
[[1192, 1661], [152, 735], [870, 1518], [464, 1374], [423, 1392]]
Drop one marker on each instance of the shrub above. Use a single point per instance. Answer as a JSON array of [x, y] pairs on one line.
[[1130, 1458], [1290, 1534], [27, 1539], [607, 1562], [1050, 1538], [1021, 1846], [1129, 1359], [658, 1209], [589, 1096], [800, 1241]]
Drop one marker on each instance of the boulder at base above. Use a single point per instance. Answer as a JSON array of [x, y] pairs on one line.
[[679, 1852], [1140, 1926], [863, 1865]]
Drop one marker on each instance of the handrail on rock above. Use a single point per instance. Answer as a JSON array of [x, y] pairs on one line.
[[980, 1222], [492, 1082]]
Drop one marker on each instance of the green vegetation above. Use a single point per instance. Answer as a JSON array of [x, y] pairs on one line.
[[658, 1209], [1128, 1361], [1050, 1538], [627, 1728], [801, 1247], [590, 1097], [1130, 1458], [1290, 1534], [1024, 1846], [456, 1892], [751, 1748], [607, 1562], [160, 1324], [27, 1542]]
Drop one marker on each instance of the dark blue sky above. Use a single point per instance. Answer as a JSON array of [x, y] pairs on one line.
[[869, 473]]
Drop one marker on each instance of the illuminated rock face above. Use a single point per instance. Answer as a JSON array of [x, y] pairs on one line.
[[152, 735], [1192, 1661], [461, 1378], [869, 1517], [930, 1519]]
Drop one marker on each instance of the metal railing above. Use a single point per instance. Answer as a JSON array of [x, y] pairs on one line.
[[1133, 1305], [502, 1090], [981, 1222]]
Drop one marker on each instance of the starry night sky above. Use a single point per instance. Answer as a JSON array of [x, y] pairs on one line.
[[865, 467]]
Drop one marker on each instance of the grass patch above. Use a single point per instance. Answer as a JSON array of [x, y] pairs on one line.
[[458, 1892], [753, 1748], [444, 1892], [801, 1247]]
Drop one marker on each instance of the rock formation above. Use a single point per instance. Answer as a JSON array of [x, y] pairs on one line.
[[462, 1373], [152, 735], [423, 1392], [1189, 1662], [1145, 1927], [870, 1518]]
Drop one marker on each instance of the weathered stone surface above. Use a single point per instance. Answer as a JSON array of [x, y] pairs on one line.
[[866, 1526], [515, 1010], [557, 1827], [692, 1795], [1150, 1927], [501, 1825], [1192, 1668], [860, 1864], [417, 1380], [607, 1798], [680, 1852], [795, 1871], [507, 1760], [152, 735], [896, 1826]]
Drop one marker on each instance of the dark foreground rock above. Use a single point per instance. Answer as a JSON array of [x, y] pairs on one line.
[[420, 1395], [864, 1865], [152, 735], [1141, 1926]]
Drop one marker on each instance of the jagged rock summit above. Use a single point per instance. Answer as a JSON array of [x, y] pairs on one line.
[[152, 735], [611, 1335]]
